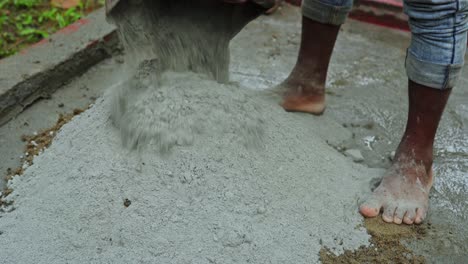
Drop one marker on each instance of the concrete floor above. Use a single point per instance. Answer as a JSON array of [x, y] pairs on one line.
[[79, 93], [367, 94]]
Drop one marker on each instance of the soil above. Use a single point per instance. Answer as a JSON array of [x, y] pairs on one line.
[[386, 245], [35, 145]]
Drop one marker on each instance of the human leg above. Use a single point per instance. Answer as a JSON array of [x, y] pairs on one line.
[[304, 89], [433, 64]]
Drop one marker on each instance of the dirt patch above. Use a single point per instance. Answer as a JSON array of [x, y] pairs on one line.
[[35, 144], [386, 245]]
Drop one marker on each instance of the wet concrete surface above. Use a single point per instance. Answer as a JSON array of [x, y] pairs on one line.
[[366, 93]]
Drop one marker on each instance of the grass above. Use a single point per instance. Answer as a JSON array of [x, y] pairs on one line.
[[25, 22]]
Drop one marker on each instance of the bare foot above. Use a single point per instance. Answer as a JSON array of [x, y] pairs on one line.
[[302, 95], [403, 195], [304, 89]]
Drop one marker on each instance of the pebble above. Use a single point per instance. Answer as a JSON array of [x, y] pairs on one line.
[[261, 210], [186, 178], [355, 154]]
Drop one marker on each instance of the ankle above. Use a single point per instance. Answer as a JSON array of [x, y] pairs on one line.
[[305, 81], [414, 155]]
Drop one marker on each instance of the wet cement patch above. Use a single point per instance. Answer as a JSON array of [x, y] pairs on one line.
[[367, 95]]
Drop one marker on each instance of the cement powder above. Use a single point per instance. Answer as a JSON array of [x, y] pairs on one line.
[[87, 199], [168, 111], [160, 36]]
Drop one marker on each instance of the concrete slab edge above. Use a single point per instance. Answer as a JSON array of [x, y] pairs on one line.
[[38, 71]]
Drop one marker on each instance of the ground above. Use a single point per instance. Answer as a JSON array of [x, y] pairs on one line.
[[366, 95]]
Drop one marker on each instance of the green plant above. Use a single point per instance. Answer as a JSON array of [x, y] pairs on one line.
[[3, 3], [23, 22], [26, 3]]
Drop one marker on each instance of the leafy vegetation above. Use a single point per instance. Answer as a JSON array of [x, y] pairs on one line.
[[24, 22]]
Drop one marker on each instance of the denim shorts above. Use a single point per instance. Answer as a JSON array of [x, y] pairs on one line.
[[439, 36]]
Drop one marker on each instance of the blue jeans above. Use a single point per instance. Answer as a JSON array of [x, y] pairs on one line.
[[439, 36]]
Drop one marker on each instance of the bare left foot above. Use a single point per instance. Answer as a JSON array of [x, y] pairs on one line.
[[304, 89], [403, 194], [302, 93]]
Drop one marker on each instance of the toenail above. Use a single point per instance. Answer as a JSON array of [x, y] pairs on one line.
[[408, 221], [387, 219]]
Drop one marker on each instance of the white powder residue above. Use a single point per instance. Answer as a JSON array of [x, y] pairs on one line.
[[215, 200]]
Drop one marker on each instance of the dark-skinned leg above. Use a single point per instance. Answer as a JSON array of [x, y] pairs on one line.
[[403, 193], [304, 89]]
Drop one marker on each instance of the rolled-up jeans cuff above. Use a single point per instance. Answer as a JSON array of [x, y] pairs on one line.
[[325, 13], [438, 76]]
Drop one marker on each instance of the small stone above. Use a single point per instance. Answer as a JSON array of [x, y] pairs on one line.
[[186, 178], [228, 195], [127, 202], [355, 154], [261, 210], [61, 105], [119, 60]]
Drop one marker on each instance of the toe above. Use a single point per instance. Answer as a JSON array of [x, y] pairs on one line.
[[399, 214], [389, 213], [409, 217], [420, 215], [370, 208]]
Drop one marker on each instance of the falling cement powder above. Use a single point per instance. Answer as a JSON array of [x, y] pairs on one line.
[[172, 110], [88, 200], [160, 36]]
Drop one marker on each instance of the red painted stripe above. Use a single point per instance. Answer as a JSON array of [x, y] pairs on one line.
[[395, 3], [74, 27], [386, 20], [384, 3], [295, 2]]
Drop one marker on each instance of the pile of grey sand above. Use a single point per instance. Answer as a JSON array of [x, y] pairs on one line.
[[208, 173]]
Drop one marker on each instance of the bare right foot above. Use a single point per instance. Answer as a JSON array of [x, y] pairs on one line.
[[403, 195]]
